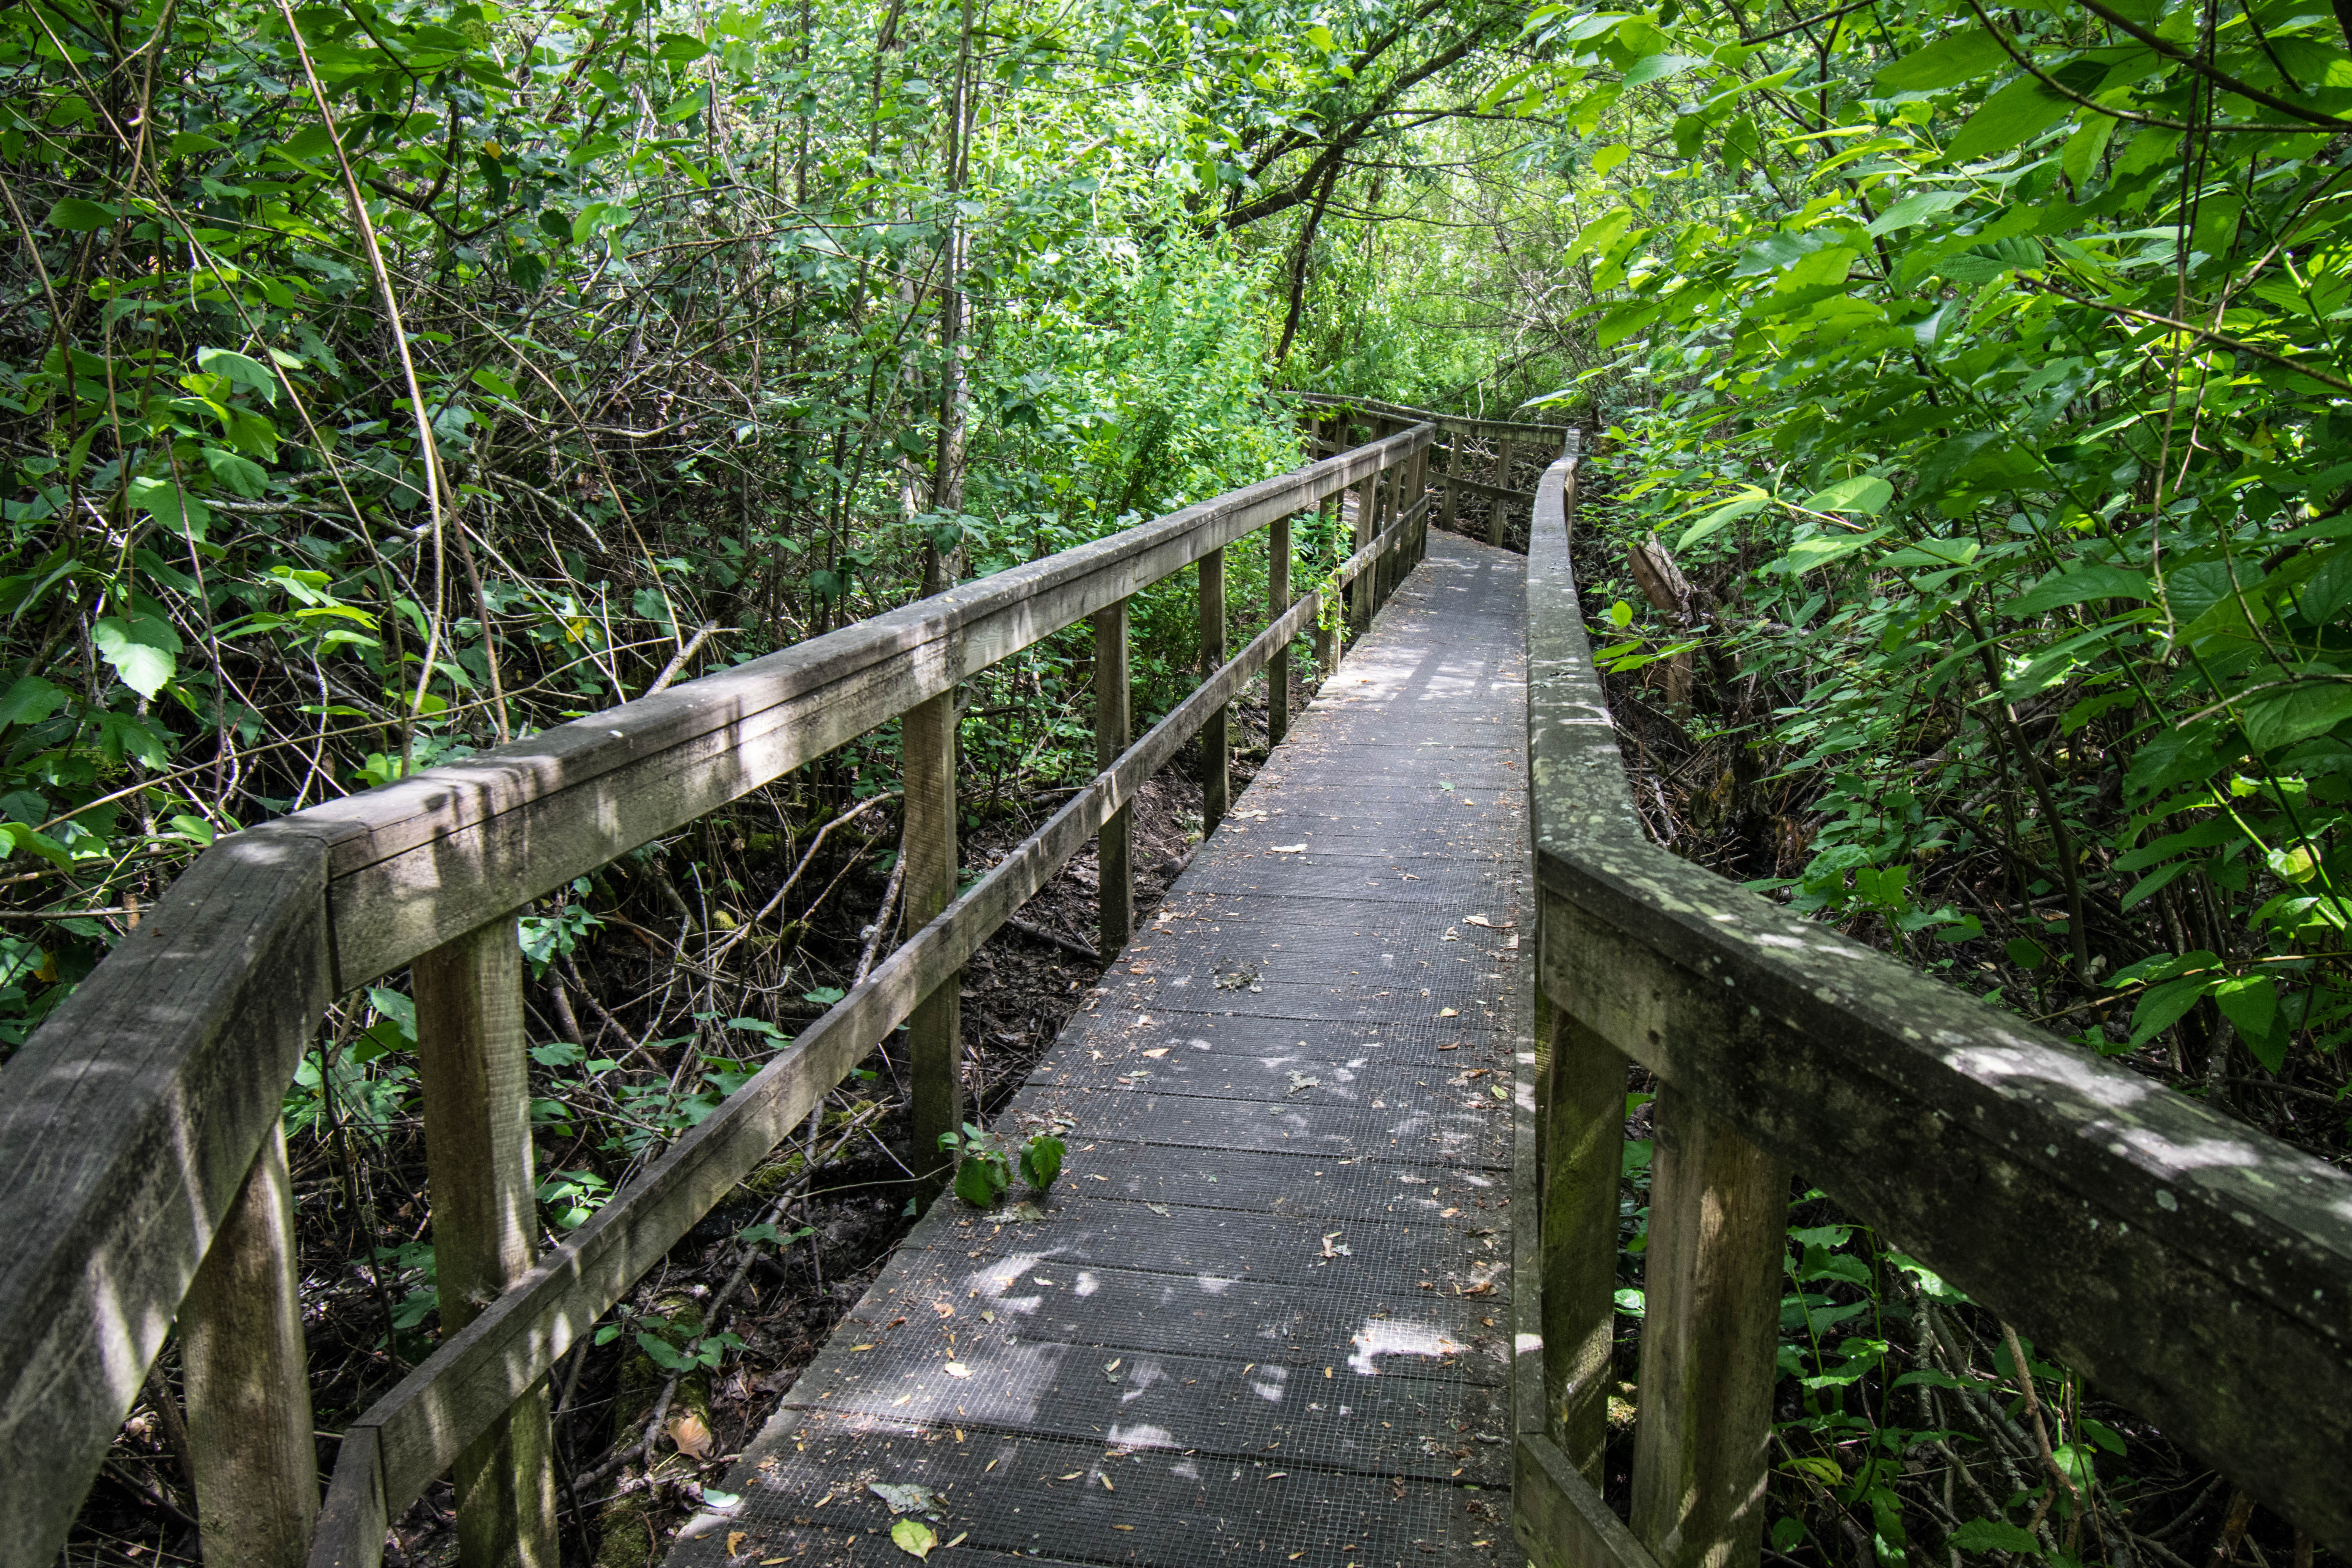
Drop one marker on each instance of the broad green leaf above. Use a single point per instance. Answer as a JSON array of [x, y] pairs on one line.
[[1916, 207], [2161, 1006], [242, 475], [1808, 555], [1660, 67], [678, 50], [1864, 494], [2008, 118], [2077, 586], [241, 370], [29, 701], [73, 213], [2084, 148], [2308, 708], [1948, 62], [1610, 157], [1994, 1535], [914, 1537], [142, 649], [1731, 511]]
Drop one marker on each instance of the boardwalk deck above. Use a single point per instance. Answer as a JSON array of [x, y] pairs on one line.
[[1265, 1318]]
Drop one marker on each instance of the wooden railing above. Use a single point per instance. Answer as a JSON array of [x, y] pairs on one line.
[[2189, 1266], [1464, 448], [141, 1144]]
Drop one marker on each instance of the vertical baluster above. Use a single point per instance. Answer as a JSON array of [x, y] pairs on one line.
[[1712, 1309], [1359, 591], [1503, 459], [1277, 599], [1582, 1133], [1115, 865], [1452, 468], [1326, 616], [935, 1029], [1419, 549], [476, 1078], [1215, 743], [241, 1351]]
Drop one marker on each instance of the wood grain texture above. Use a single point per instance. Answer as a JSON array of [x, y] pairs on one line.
[[241, 1353], [1216, 745], [1560, 1520], [1277, 599], [935, 1029], [2189, 1266], [1711, 1321], [127, 1127], [424, 1423], [476, 1078], [1115, 854], [352, 1524], [1583, 1135]]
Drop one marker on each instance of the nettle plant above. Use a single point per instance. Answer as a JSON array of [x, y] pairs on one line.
[[985, 1164]]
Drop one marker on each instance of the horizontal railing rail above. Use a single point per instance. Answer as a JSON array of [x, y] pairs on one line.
[[139, 1128], [1330, 423], [2189, 1266]]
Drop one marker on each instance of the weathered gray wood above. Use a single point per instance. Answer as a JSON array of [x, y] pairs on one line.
[[127, 1127], [1327, 628], [476, 1078], [1528, 1359], [2187, 1265], [1583, 1137], [457, 846], [1359, 596], [935, 1029], [421, 1425], [352, 1525], [1115, 854], [256, 1467], [1468, 486], [1216, 746], [1277, 599], [1559, 1519], [1549, 434], [1718, 1216]]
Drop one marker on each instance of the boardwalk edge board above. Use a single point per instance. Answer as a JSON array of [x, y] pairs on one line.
[[2191, 1267]]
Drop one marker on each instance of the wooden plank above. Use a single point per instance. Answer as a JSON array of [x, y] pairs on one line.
[[1277, 599], [935, 1029], [2189, 1266], [352, 1523], [457, 846], [1552, 434], [476, 1078], [1583, 1108], [425, 1422], [1559, 1519], [1359, 596], [1115, 851], [1454, 482], [1216, 745], [1711, 1321], [127, 1127], [256, 1467]]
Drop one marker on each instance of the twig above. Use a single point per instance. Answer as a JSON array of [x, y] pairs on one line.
[[1065, 943], [677, 661]]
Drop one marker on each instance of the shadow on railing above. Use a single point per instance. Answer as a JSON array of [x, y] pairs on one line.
[[2191, 1267], [140, 1136]]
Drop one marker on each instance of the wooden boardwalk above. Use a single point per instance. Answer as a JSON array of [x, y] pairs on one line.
[[1264, 1318]]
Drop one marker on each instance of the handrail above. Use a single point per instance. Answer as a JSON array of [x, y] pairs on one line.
[[1467, 424], [1329, 419], [131, 1123], [2191, 1267]]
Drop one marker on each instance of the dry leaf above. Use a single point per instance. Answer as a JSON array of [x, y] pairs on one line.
[[914, 1537], [735, 1540], [1286, 849], [688, 1433], [1449, 1013], [1156, 1052], [957, 1369]]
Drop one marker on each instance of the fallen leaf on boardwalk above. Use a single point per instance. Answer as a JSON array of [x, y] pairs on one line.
[[1300, 1082], [1449, 1011], [988, 1317], [1286, 849], [1454, 1047], [957, 1369], [1106, 1481], [691, 1437], [906, 1496], [1341, 1250], [1274, 1475], [1122, 1527], [961, 1536], [735, 1540], [914, 1537], [1073, 1476], [943, 1309], [1156, 1208], [1501, 1091]]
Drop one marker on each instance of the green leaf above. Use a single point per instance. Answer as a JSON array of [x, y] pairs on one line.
[[29, 701], [1731, 511], [1041, 1161], [241, 371], [1811, 554], [2008, 118], [914, 1537], [1916, 207], [2027, 954], [142, 649], [978, 1181], [2251, 1002], [1994, 1535], [2308, 708], [1660, 67], [1946, 62], [2078, 586], [243, 475], [678, 50], [73, 213], [1865, 493], [2160, 1006]]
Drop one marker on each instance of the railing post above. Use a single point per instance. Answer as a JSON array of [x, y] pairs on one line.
[[1215, 742], [1359, 591], [256, 1467], [935, 1029], [1277, 599], [476, 1078], [1581, 1131], [1114, 860], [1719, 1208], [1418, 550], [1328, 615]]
